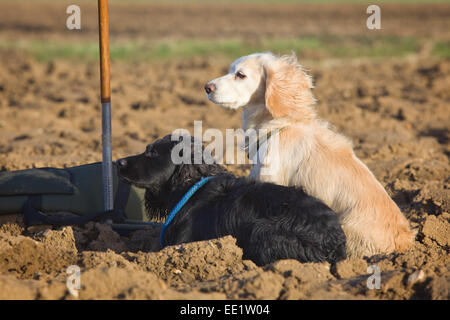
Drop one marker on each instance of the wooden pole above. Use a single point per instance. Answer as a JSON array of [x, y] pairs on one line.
[[105, 95], [105, 72]]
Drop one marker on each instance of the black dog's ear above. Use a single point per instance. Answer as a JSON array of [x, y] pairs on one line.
[[191, 173], [184, 173], [190, 170]]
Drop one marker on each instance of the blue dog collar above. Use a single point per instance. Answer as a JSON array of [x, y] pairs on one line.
[[180, 205]]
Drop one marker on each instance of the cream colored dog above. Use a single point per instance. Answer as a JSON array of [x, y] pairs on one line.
[[275, 94]]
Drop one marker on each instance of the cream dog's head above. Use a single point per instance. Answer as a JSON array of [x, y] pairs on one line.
[[278, 84]]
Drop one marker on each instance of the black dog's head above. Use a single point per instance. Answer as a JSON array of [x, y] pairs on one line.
[[160, 171], [162, 166], [149, 169]]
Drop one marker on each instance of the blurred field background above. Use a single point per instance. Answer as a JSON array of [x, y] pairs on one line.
[[155, 30], [388, 90]]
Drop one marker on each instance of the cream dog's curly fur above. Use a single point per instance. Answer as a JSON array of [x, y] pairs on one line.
[[275, 94]]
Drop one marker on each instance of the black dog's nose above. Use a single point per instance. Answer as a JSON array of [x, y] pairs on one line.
[[122, 163], [210, 87]]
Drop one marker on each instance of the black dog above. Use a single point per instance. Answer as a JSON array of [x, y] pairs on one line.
[[270, 222]]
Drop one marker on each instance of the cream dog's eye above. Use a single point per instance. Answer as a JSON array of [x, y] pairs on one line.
[[240, 75]]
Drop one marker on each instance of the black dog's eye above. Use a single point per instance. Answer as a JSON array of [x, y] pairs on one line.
[[240, 75], [151, 152]]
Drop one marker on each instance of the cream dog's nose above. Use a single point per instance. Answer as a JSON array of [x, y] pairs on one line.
[[210, 87]]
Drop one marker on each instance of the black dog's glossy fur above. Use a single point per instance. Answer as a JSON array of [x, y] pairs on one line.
[[270, 222]]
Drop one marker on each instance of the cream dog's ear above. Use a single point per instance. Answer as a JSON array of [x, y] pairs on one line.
[[288, 89]]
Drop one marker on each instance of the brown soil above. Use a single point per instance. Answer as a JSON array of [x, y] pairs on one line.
[[396, 113], [222, 20]]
